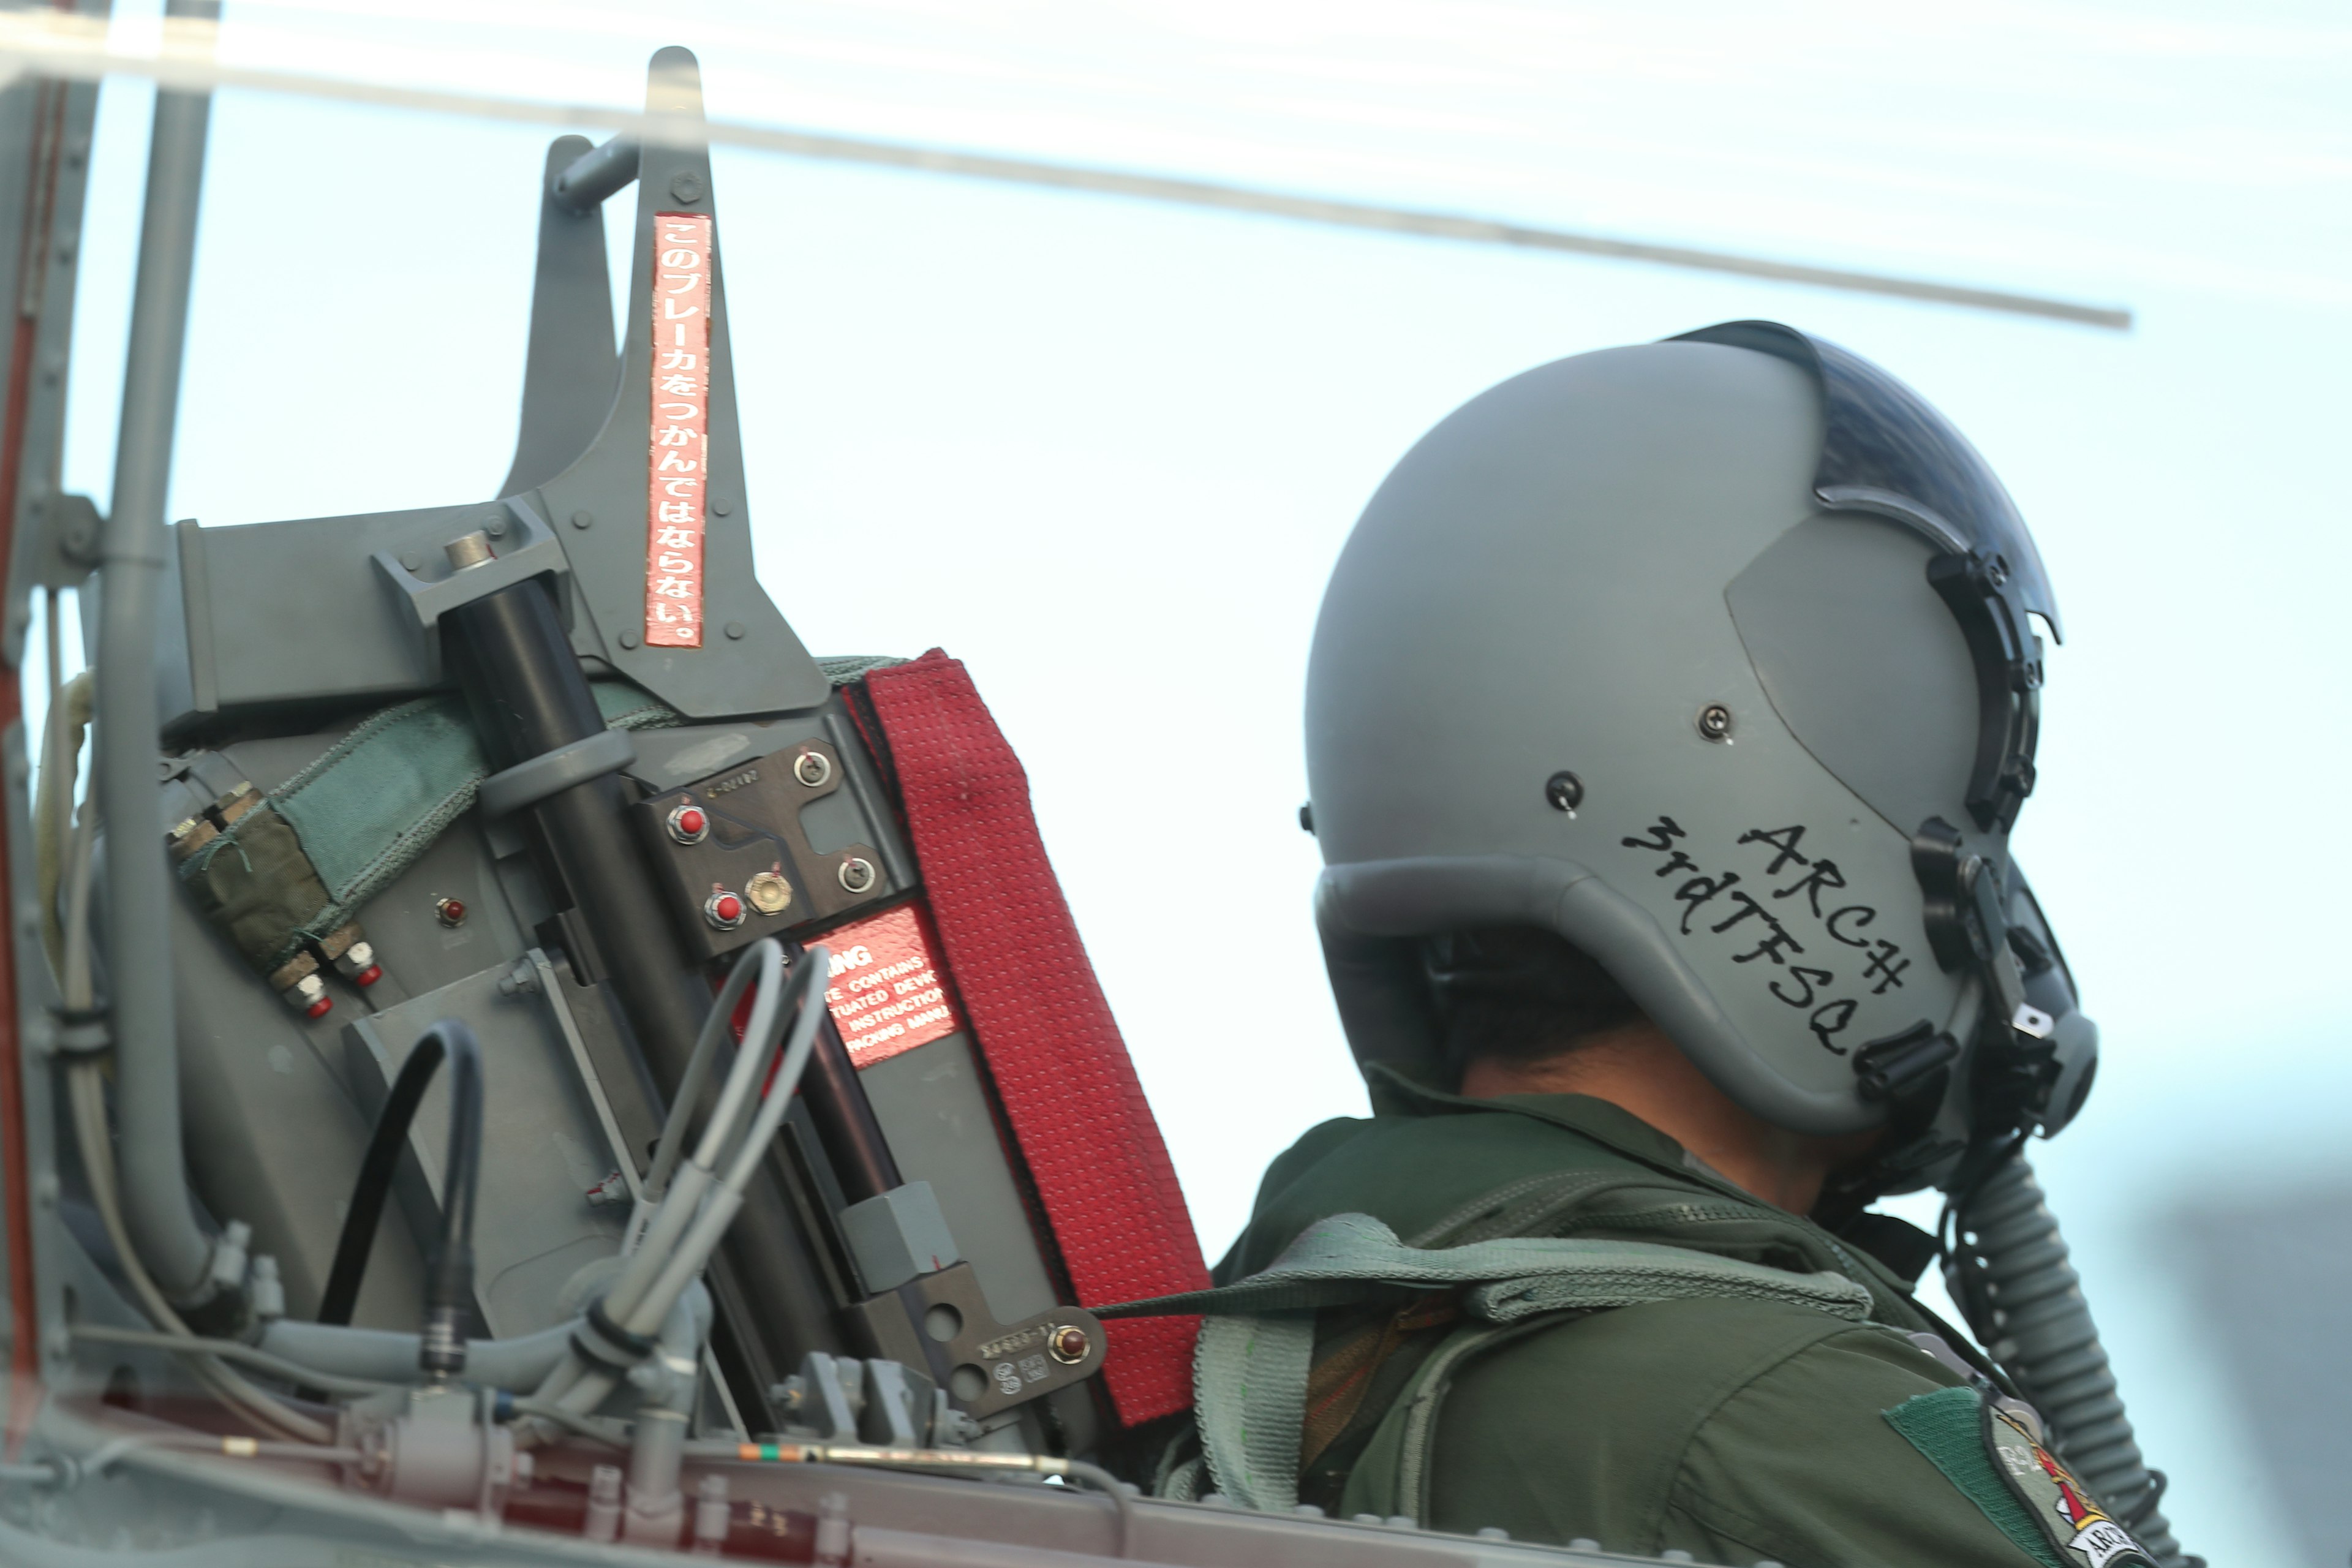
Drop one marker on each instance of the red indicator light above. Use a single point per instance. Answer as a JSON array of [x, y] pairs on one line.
[[723, 909], [688, 824], [320, 1008], [368, 976]]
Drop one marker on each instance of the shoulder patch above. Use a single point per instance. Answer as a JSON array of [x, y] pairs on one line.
[[2069, 1516], [1947, 1428]]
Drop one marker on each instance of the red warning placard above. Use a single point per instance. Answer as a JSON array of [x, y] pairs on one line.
[[679, 462], [888, 994]]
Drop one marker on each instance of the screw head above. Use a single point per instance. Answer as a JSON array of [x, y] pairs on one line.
[[629, 640], [685, 185], [688, 825], [1068, 1344], [735, 629], [1715, 722], [1307, 817], [449, 912], [857, 874], [1565, 790], [813, 769], [723, 909], [584, 519]]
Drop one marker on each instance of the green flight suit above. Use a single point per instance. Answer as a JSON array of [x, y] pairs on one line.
[[1738, 1431]]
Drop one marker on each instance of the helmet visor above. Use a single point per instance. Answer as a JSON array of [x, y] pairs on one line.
[[1885, 449]]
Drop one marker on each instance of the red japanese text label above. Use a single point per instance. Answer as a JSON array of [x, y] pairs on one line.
[[679, 463], [887, 994]]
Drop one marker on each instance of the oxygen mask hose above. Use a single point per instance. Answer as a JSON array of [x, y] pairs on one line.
[[2025, 1302]]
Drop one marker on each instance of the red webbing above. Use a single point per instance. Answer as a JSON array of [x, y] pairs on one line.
[[1062, 1072]]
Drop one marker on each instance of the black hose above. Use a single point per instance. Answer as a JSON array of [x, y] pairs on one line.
[[449, 1291]]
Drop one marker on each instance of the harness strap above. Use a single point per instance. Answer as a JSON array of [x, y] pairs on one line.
[[1257, 1345], [363, 813]]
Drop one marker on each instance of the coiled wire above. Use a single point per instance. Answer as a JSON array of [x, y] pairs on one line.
[[2024, 1302]]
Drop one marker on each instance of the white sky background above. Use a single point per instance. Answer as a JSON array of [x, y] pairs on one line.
[[1105, 452]]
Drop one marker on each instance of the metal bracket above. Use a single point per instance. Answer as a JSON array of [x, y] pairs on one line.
[[535, 554], [989, 1366], [550, 773]]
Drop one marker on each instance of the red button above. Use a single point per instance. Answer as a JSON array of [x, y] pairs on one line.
[[728, 909], [320, 1008], [688, 824], [368, 976]]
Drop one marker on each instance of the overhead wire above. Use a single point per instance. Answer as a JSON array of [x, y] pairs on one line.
[[58, 44]]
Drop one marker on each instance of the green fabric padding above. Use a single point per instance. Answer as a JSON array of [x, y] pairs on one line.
[[1948, 1427], [379, 797]]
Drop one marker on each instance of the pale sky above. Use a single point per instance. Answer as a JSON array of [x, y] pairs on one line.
[[1105, 452]]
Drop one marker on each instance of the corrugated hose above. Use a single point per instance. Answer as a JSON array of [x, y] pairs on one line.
[[2025, 1301]]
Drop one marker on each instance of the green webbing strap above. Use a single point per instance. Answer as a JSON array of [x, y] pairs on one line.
[[379, 797], [1257, 1344]]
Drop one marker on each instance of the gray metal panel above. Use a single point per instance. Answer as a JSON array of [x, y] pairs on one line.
[[544, 1148], [568, 376], [857, 813], [934, 1112], [273, 1137], [765, 669]]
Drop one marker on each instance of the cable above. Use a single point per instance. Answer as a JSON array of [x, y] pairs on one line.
[[764, 959], [231, 1350], [377, 1168], [694, 1210], [86, 1088], [86, 1098], [449, 1273]]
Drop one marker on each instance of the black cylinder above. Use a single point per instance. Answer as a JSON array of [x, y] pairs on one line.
[[528, 696], [844, 1119]]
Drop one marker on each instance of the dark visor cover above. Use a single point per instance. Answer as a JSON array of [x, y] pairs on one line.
[[1886, 451]]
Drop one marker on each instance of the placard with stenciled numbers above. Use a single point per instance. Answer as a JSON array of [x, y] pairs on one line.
[[679, 465]]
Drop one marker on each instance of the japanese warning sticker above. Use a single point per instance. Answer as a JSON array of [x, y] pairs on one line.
[[678, 465], [2075, 1524], [887, 994]]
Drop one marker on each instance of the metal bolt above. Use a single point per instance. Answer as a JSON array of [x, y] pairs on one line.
[[768, 892], [685, 185], [584, 519], [495, 525], [856, 874], [735, 630], [1715, 722], [1068, 1344], [450, 912], [1307, 817], [1565, 790], [309, 997], [813, 769], [468, 549]]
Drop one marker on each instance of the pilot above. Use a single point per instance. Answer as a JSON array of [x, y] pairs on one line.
[[1667, 715]]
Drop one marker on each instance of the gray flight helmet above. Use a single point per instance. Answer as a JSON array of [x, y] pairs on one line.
[[1713, 657]]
